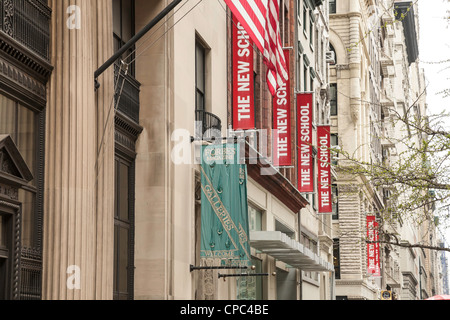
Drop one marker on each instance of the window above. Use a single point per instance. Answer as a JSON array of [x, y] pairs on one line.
[[299, 65], [123, 28], [284, 229], [335, 192], [334, 145], [200, 76], [333, 100], [332, 6], [305, 16], [123, 230], [5, 256], [336, 259], [312, 245], [255, 219], [305, 77]]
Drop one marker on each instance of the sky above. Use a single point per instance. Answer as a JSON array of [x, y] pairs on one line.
[[434, 46]]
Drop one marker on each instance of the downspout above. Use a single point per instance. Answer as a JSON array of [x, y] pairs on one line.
[[420, 280]]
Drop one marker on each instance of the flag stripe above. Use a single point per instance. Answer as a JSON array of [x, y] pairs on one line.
[[260, 18], [251, 14]]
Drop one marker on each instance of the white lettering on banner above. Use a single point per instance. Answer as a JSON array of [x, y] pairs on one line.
[[242, 79], [282, 125], [243, 76], [305, 148], [243, 107], [282, 122], [324, 174]]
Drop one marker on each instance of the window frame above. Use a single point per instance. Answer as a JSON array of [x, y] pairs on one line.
[[119, 38], [129, 225], [200, 91], [334, 100], [332, 7]]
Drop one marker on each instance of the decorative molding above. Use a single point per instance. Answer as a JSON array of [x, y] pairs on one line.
[[21, 80], [9, 192], [16, 256]]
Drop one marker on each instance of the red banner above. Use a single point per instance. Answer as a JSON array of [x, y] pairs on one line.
[[373, 247], [282, 142], [243, 85], [305, 143], [324, 169]]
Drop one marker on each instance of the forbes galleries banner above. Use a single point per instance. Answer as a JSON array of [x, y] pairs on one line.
[[373, 247], [305, 145], [224, 208], [243, 86], [324, 169], [282, 153]]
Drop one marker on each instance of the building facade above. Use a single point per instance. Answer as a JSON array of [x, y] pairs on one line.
[[376, 79], [101, 192]]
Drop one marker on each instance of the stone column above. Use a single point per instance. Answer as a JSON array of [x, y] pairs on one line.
[[78, 203], [104, 49]]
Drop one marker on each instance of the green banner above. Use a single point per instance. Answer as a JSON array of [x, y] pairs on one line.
[[224, 217]]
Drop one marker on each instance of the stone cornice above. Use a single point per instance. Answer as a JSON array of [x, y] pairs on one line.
[[24, 58]]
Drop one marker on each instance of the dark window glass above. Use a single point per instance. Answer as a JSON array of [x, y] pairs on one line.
[[123, 192], [332, 6], [123, 230], [335, 192], [333, 99], [200, 76], [123, 28], [336, 259], [334, 145]]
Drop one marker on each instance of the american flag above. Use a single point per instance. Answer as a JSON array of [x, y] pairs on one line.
[[260, 19]]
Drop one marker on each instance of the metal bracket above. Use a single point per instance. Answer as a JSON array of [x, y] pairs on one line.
[[224, 276], [192, 268]]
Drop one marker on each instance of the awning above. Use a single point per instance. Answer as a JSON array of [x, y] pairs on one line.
[[281, 247]]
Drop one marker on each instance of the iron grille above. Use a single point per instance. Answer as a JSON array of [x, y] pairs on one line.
[[208, 125], [31, 275], [28, 22], [128, 88]]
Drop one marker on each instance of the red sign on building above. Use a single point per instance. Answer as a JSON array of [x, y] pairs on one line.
[[243, 85], [324, 169], [373, 247], [305, 143], [282, 142]]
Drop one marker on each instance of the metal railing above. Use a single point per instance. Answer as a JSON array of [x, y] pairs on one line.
[[28, 22], [31, 274], [208, 125], [128, 88]]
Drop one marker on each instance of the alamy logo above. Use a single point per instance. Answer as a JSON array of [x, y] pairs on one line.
[[74, 20], [74, 278]]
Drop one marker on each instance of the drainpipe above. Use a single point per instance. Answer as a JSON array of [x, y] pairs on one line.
[[420, 280], [299, 241]]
